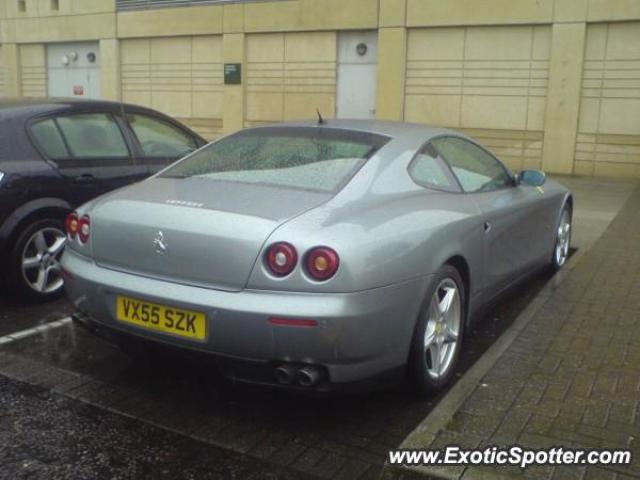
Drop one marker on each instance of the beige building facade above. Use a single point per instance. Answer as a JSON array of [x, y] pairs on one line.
[[550, 84]]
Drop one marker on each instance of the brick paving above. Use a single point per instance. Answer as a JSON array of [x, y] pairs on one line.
[[570, 378]]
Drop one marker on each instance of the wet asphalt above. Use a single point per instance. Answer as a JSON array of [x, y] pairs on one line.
[[46, 435], [15, 315]]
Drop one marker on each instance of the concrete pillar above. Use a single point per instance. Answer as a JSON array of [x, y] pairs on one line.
[[392, 68], [11, 57], [110, 79], [563, 98], [392, 60], [234, 51]]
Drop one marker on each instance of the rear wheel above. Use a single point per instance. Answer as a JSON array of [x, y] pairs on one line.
[[563, 240], [34, 262], [438, 335]]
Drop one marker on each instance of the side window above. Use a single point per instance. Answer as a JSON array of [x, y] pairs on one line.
[[49, 139], [159, 138], [476, 170], [428, 169], [93, 135]]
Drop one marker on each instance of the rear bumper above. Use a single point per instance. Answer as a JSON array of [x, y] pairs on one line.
[[359, 336]]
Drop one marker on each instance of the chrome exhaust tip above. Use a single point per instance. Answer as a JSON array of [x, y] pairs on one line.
[[285, 374], [308, 376]]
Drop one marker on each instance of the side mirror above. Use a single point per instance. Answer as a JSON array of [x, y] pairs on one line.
[[532, 178]]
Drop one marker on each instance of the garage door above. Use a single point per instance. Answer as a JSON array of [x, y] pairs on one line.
[[490, 82], [290, 75], [608, 140], [180, 76]]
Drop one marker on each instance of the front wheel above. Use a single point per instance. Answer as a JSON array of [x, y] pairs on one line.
[[563, 240], [34, 263], [438, 336]]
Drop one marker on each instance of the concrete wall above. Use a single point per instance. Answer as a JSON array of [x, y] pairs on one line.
[[549, 84], [2, 80]]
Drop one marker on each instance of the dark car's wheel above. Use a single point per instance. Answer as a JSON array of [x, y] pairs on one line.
[[34, 263], [438, 336], [563, 240]]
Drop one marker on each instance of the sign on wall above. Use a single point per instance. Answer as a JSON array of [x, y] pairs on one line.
[[232, 73]]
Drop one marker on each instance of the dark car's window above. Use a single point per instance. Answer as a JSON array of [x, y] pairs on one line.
[[48, 137], [313, 158], [159, 138], [475, 169], [93, 135], [430, 170]]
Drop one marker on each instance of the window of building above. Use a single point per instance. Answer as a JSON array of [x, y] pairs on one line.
[[22, 5], [55, 4]]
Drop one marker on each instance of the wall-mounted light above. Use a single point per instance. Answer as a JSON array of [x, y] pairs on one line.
[[65, 60], [361, 49], [91, 57]]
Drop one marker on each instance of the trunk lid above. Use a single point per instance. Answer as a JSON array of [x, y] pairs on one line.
[[192, 231]]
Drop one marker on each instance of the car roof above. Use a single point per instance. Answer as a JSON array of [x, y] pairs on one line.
[[396, 130], [29, 107]]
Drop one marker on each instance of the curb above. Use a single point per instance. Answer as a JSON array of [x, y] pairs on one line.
[[442, 414]]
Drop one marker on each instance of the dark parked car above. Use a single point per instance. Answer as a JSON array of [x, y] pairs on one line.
[[56, 154]]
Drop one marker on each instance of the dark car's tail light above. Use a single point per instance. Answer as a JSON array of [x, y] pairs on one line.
[[322, 263], [84, 229], [282, 258], [71, 224]]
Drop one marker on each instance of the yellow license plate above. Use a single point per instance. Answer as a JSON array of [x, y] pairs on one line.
[[161, 318]]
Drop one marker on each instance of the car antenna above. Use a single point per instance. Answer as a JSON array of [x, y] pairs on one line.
[[320, 119]]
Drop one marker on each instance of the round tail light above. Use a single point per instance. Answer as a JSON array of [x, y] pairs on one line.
[[282, 258], [322, 263], [71, 225], [84, 229]]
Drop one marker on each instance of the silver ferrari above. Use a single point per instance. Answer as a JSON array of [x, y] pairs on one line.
[[316, 255]]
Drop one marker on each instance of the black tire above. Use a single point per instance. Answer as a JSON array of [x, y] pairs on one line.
[[17, 282], [418, 365], [556, 262]]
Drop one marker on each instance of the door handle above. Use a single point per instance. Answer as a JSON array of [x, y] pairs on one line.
[[85, 178], [487, 227]]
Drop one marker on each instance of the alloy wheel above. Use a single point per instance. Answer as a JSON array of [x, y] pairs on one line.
[[40, 260], [564, 239], [442, 331]]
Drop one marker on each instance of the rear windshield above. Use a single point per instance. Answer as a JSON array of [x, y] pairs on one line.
[[310, 158]]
